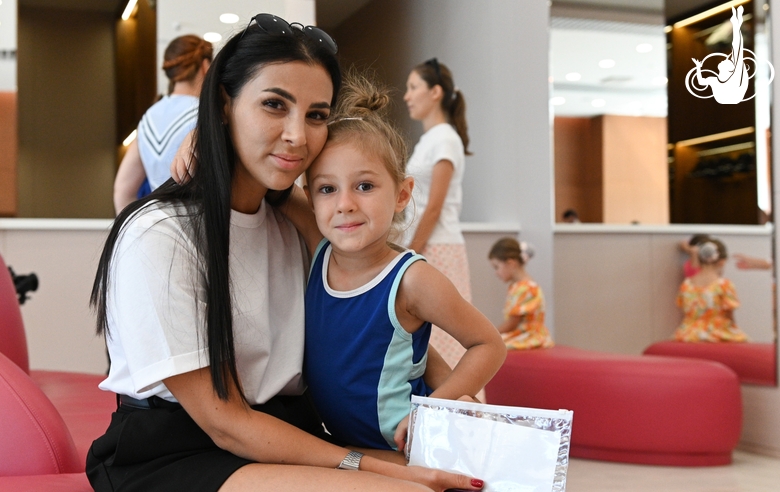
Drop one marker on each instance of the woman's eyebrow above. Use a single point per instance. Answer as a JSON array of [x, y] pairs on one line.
[[283, 93]]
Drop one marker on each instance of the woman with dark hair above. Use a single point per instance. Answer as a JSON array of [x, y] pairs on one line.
[[165, 125], [200, 290], [437, 165]]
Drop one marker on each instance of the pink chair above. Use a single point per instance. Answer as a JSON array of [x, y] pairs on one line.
[[79, 403], [36, 449]]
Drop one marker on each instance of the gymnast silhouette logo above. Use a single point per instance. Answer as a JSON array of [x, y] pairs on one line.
[[730, 84]]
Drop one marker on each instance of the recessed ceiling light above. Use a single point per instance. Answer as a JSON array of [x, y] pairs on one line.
[[212, 37], [644, 48], [228, 18], [607, 63], [558, 100], [660, 80], [573, 76], [598, 103]]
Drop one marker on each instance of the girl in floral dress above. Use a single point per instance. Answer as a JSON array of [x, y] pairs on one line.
[[523, 326], [708, 300]]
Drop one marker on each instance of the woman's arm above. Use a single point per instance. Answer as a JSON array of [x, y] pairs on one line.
[[426, 294], [298, 209], [235, 427], [440, 183], [509, 324], [129, 178]]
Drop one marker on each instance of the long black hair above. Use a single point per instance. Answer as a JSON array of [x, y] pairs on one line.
[[207, 195]]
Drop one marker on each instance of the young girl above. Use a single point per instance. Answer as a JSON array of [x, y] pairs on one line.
[[691, 248], [523, 327], [369, 304], [708, 301]]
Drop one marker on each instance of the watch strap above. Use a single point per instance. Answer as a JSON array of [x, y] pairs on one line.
[[351, 461]]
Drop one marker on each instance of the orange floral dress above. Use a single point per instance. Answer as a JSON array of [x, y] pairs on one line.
[[525, 299], [706, 313]]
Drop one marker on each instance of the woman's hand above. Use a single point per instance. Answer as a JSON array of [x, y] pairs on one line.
[[440, 480]]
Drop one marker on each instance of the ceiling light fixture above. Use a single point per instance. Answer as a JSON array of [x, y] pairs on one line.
[[709, 13], [129, 9], [607, 63], [212, 37], [228, 18], [573, 76]]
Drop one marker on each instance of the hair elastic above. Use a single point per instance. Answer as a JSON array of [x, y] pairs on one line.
[[351, 118]]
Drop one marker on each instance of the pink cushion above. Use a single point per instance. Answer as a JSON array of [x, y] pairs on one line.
[[63, 482], [754, 363], [33, 437], [633, 409], [84, 407], [13, 343]]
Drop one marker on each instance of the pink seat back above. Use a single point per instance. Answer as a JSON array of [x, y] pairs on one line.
[[13, 343], [33, 437]]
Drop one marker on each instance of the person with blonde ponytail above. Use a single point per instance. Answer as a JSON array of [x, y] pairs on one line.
[[437, 165], [165, 125], [370, 304]]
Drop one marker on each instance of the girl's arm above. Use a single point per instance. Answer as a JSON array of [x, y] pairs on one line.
[[511, 323], [436, 369], [129, 178], [426, 294], [440, 183], [298, 209], [235, 427]]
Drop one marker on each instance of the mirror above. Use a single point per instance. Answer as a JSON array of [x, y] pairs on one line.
[[645, 165]]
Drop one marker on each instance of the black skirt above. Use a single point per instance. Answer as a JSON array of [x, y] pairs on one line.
[[163, 449]]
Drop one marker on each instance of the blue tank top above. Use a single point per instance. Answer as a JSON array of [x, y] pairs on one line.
[[360, 364]]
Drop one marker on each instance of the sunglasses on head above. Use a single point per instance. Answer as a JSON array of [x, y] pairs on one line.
[[433, 62], [276, 25]]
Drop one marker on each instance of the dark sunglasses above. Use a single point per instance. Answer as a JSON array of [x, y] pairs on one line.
[[276, 25], [433, 62]]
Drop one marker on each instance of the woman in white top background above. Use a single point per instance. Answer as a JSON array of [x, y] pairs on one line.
[[164, 126], [437, 165]]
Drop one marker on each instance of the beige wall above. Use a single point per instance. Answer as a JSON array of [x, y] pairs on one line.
[[67, 127]]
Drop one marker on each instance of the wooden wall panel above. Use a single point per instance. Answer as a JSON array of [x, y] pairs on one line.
[[635, 171], [9, 150], [578, 177]]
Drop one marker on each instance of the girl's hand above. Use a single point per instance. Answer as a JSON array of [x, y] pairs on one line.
[[400, 434], [182, 165]]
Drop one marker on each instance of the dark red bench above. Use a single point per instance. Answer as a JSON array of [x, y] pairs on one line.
[[754, 363], [632, 409]]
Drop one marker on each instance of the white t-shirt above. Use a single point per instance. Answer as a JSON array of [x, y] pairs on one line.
[[440, 142], [157, 329], [160, 133]]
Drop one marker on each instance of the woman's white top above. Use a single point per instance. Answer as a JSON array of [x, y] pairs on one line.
[[156, 304], [440, 142], [160, 133]]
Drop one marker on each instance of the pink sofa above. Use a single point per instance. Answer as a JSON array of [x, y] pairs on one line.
[[46, 415], [754, 363], [632, 409]]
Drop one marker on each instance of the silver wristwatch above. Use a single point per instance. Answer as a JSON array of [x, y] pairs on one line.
[[351, 461]]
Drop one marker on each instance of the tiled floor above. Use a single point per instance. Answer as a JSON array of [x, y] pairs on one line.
[[748, 473]]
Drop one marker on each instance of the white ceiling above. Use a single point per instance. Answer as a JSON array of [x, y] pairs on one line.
[[633, 86]]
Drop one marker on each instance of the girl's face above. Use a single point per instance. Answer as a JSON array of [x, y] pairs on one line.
[[354, 197], [419, 98], [505, 270], [278, 126]]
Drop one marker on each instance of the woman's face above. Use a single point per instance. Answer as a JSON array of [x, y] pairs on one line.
[[278, 126], [419, 98]]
